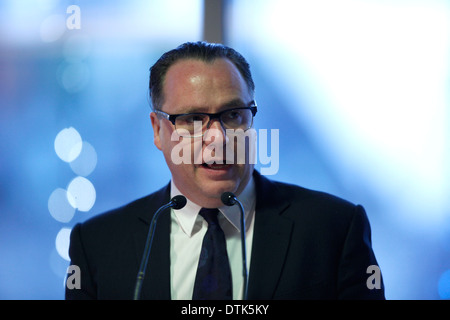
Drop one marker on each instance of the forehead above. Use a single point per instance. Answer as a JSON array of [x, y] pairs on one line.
[[196, 84]]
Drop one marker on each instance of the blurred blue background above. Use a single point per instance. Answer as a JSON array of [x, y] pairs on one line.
[[359, 90]]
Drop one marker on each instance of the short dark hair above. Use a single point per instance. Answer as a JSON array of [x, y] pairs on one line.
[[204, 51]]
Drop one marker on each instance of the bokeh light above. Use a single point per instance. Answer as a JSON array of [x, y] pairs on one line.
[[68, 144], [86, 162], [52, 28], [74, 76], [81, 194], [59, 206], [62, 243]]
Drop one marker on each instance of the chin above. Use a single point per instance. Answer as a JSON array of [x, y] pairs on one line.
[[216, 188], [214, 195]]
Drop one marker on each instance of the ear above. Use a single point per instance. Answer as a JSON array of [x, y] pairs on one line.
[[156, 130]]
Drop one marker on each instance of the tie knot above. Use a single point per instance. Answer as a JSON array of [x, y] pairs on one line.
[[210, 215]]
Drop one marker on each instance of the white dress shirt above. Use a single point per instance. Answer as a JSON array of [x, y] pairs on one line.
[[186, 237]]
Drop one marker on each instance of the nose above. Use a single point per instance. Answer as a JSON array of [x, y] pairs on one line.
[[215, 129]]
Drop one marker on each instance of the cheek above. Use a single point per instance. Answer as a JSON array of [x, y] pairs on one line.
[[179, 150]]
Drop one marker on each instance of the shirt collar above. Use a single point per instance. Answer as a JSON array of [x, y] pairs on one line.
[[187, 216]]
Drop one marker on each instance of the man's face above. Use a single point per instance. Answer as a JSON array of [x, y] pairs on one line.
[[195, 86]]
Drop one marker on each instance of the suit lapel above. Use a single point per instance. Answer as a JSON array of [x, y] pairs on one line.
[[157, 277], [271, 237]]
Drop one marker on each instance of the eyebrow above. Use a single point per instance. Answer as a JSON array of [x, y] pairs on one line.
[[235, 103]]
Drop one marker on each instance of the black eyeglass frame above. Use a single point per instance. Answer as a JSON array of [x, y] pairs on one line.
[[172, 117]]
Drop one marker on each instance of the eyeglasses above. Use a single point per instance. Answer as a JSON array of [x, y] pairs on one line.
[[189, 124]]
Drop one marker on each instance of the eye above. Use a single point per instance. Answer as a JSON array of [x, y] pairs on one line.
[[232, 115], [191, 118]]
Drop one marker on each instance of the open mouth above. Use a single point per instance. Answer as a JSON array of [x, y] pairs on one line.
[[215, 166]]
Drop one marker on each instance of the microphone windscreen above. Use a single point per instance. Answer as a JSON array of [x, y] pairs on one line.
[[228, 198], [179, 202]]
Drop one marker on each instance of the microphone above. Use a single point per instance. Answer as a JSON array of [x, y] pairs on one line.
[[176, 203], [229, 199]]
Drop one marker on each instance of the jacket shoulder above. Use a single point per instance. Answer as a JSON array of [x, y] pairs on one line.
[[297, 195], [307, 206], [126, 215]]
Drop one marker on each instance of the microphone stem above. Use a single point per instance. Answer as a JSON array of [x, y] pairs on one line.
[[146, 255]]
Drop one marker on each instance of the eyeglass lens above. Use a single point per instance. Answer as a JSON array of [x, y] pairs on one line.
[[231, 119]]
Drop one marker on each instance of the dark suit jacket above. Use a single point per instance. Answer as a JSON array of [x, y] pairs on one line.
[[306, 245]]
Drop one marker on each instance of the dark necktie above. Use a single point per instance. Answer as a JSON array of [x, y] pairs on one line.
[[213, 279]]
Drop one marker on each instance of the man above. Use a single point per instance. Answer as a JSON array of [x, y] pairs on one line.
[[300, 244]]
